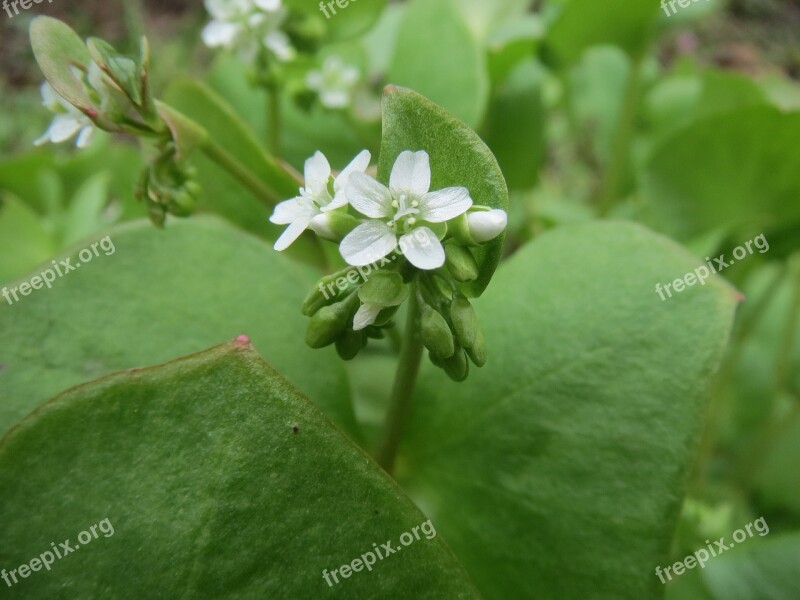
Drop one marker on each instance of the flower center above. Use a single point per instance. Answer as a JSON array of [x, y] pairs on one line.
[[405, 208]]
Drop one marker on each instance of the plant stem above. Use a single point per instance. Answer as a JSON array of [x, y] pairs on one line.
[[621, 142], [245, 176], [402, 390], [274, 120]]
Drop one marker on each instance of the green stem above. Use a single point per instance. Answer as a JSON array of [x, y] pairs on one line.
[[622, 140], [245, 176], [402, 390], [274, 120]]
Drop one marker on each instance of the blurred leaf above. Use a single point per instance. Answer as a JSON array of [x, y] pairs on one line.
[[24, 243], [763, 570], [159, 295], [512, 44], [458, 158], [724, 91], [737, 168], [353, 20], [57, 49], [218, 480], [85, 214], [515, 126], [559, 472], [627, 24], [437, 56], [484, 18]]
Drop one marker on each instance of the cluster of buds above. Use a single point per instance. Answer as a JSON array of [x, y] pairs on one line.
[[92, 86], [402, 241]]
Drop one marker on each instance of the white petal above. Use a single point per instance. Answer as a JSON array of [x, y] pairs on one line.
[[446, 204], [95, 78], [334, 99], [411, 173], [49, 97], [63, 128], [317, 173], [366, 316], [487, 225], [217, 33], [292, 232], [368, 196], [367, 243], [289, 211], [85, 136], [358, 165], [268, 5], [279, 43], [321, 225], [422, 249], [315, 80]]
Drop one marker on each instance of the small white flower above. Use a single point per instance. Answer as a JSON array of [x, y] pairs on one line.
[[334, 82], [69, 121], [246, 25], [398, 214], [317, 197], [485, 225]]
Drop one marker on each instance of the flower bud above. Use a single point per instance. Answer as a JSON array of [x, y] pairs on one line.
[[349, 344], [461, 263], [465, 321], [457, 367], [333, 226], [486, 225], [329, 323], [436, 334], [477, 352]]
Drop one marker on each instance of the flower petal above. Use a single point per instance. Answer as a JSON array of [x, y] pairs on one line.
[[279, 43], [411, 173], [317, 173], [366, 315], [292, 232], [334, 98], [268, 5], [486, 225], [358, 165], [85, 136], [446, 204], [369, 197], [422, 249], [63, 128], [290, 211], [367, 243], [217, 33]]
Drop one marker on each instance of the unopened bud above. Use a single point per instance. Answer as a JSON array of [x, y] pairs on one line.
[[478, 352], [461, 263], [485, 225], [334, 225], [329, 323], [349, 344], [457, 367], [383, 288], [465, 321], [436, 334]]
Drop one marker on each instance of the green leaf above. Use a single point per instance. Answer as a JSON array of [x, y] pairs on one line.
[[357, 17], [765, 570], [483, 18], [736, 169], [159, 295], [584, 23], [458, 158], [187, 135], [560, 470], [57, 49], [24, 242], [85, 213], [437, 56], [217, 479]]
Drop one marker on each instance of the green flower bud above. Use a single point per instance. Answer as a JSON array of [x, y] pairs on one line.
[[477, 352], [329, 323], [465, 321], [334, 225], [350, 344], [460, 262], [384, 288], [436, 334], [457, 367]]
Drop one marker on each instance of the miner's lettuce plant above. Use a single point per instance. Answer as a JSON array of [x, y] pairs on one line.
[[534, 399]]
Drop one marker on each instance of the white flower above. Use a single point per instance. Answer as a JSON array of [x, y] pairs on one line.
[[317, 197], [334, 82], [69, 121], [398, 214], [247, 25], [485, 225]]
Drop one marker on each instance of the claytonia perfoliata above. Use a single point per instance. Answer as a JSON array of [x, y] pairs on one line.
[[317, 197], [333, 82], [401, 214], [246, 26], [69, 121]]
